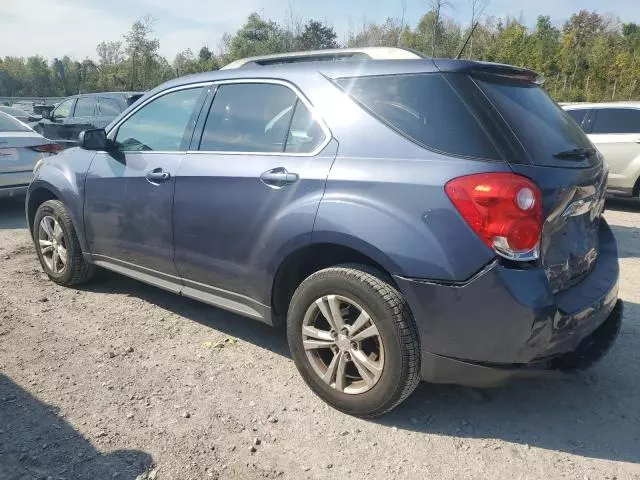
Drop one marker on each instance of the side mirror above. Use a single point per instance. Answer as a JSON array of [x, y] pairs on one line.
[[46, 114], [94, 139]]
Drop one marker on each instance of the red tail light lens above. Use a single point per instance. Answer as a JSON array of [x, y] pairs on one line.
[[47, 148], [503, 209]]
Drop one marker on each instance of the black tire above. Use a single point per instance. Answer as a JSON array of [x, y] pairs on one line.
[[76, 270], [391, 315]]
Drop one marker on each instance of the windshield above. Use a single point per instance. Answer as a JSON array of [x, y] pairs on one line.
[[547, 133], [10, 124]]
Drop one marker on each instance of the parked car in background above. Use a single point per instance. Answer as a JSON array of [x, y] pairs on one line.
[[614, 128], [20, 150], [406, 219], [24, 117], [81, 112]]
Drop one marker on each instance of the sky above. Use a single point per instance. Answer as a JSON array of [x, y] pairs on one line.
[[54, 28]]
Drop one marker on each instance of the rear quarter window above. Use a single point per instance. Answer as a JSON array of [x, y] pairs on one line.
[[426, 109]]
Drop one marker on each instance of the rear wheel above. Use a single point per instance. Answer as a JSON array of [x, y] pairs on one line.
[[57, 245], [354, 340]]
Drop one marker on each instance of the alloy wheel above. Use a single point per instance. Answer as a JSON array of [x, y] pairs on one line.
[[343, 344], [52, 244]]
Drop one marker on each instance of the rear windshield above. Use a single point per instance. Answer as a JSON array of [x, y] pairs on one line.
[[426, 109], [10, 124], [542, 127]]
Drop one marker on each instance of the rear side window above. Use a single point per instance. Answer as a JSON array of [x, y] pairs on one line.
[[109, 107], [541, 126], [85, 107], [578, 115], [249, 117], [10, 124], [426, 109], [616, 120]]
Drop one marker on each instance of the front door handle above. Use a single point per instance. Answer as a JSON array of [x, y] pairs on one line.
[[278, 177], [158, 175]]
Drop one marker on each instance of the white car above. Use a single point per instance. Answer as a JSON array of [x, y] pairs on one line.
[[20, 149], [614, 128]]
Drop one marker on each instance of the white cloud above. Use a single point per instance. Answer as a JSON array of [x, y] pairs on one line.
[[56, 28]]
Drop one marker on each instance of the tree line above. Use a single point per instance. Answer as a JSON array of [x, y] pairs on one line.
[[591, 57]]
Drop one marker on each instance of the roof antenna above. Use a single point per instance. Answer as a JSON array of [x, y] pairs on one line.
[[473, 29]]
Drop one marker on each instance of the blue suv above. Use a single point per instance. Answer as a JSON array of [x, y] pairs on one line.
[[405, 219]]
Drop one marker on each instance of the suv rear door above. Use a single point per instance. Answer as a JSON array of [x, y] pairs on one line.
[[616, 133], [250, 185]]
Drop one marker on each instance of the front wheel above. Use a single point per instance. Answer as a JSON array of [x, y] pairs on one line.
[[57, 245], [354, 340]]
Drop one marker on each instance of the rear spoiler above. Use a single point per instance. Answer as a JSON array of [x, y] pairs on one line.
[[507, 72]]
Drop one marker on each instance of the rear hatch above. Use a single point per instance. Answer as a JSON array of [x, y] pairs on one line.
[[552, 150]]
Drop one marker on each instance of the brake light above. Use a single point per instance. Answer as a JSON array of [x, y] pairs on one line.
[[503, 209], [47, 148]]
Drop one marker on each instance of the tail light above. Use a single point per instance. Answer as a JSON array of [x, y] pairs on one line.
[[503, 209], [47, 148]]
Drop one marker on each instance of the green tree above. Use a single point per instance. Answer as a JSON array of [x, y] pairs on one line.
[[143, 62], [256, 37], [316, 36]]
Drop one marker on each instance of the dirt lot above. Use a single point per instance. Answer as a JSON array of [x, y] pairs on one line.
[[120, 380]]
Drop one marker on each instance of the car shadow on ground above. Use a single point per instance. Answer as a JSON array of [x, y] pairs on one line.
[[36, 442], [592, 414], [252, 331], [628, 237], [623, 204], [628, 240], [12, 215]]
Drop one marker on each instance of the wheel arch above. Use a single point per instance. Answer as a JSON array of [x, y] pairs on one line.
[[41, 191], [308, 259]]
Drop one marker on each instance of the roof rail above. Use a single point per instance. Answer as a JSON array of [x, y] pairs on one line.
[[334, 54]]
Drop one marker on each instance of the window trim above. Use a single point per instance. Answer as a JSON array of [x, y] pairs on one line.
[[594, 117], [113, 131], [299, 96]]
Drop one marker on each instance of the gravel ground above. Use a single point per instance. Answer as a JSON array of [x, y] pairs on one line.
[[122, 380]]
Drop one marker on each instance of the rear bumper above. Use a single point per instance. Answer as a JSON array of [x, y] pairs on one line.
[[439, 369], [507, 323]]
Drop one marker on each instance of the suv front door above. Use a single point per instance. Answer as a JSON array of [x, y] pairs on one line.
[[616, 133], [248, 189], [129, 190]]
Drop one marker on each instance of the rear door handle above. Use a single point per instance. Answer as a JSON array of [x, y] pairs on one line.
[[278, 177], [157, 175]]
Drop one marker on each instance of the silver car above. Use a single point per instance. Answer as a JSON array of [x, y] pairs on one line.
[[614, 128], [20, 150]]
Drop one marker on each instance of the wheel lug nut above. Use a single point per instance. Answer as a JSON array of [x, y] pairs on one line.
[[354, 345], [333, 334], [347, 356]]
